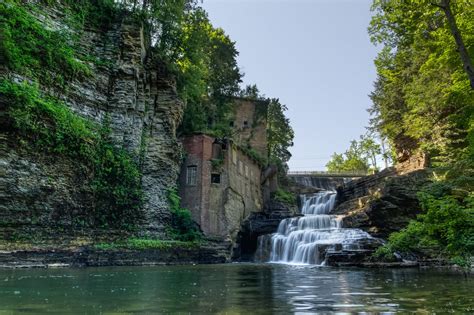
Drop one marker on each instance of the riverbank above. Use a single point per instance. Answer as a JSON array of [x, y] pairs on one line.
[[133, 252], [92, 257]]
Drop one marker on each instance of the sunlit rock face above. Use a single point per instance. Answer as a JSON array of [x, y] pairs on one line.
[[382, 203]]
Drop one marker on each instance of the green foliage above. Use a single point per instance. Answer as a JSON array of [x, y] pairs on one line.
[[207, 75], [253, 154], [384, 253], [182, 226], [285, 197], [33, 50], [117, 187], [145, 244], [445, 228], [95, 13], [423, 101], [422, 95], [50, 126], [279, 132], [354, 159]]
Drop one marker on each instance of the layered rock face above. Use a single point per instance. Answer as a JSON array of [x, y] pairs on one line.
[[382, 203], [137, 97]]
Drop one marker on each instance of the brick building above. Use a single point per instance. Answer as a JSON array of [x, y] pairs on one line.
[[219, 182]]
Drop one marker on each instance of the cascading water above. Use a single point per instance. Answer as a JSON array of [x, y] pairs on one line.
[[307, 239]]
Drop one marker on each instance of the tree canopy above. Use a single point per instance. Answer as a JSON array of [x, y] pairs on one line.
[[423, 101], [423, 92], [361, 155]]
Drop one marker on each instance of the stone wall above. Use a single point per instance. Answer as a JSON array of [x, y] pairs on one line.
[[219, 207], [138, 96], [250, 124]]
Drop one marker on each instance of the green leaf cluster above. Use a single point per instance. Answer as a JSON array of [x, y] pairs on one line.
[[361, 156], [444, 229], [31, 49], [207, 75], [182, 226], [285, 197]]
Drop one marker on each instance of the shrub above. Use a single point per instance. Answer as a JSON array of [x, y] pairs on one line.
[[285, 197], [182, 228], [445, 228], [384, 253]]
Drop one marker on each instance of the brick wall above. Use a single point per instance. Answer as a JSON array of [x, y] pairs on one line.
[[220, 208]]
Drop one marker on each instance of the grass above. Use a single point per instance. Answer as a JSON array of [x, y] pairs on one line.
[[144, 244]]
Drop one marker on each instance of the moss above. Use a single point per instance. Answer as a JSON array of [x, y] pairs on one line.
[[254, 155], [49, 126], [35, 51], [144, 244]]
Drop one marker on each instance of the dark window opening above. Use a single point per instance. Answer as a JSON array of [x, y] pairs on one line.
[[231, 124], [246, 123], [191, 173], [216, 178]]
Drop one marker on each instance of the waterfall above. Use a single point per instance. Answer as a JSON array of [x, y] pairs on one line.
[[307, 239]]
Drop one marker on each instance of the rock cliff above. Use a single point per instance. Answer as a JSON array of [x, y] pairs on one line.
[[382, 203], [135, 93]]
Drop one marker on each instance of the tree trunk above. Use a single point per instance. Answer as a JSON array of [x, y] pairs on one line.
[[384, 152], [446, 7]]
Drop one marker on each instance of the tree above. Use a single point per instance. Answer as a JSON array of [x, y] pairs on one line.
[[207, 75], [445, 6], [370, 149], [362, 156], [279, 132], [423, 102], [353, 159], [422, 99]]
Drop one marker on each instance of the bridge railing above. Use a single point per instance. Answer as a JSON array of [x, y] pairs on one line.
[[329, 174]]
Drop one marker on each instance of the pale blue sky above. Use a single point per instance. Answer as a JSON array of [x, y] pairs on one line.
[[314, 55]]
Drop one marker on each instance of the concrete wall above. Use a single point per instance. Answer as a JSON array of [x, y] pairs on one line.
[[220, 208]]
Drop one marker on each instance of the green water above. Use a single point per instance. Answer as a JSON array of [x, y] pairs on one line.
[[232, 289]]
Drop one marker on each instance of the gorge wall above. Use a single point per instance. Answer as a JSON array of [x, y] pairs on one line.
[[128, 88], [382, 203]]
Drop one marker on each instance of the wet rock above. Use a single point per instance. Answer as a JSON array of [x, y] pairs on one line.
[[89, 257], [257, 224]]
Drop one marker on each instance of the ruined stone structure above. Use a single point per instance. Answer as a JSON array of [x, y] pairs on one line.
[[220, 184], [250, 124]]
